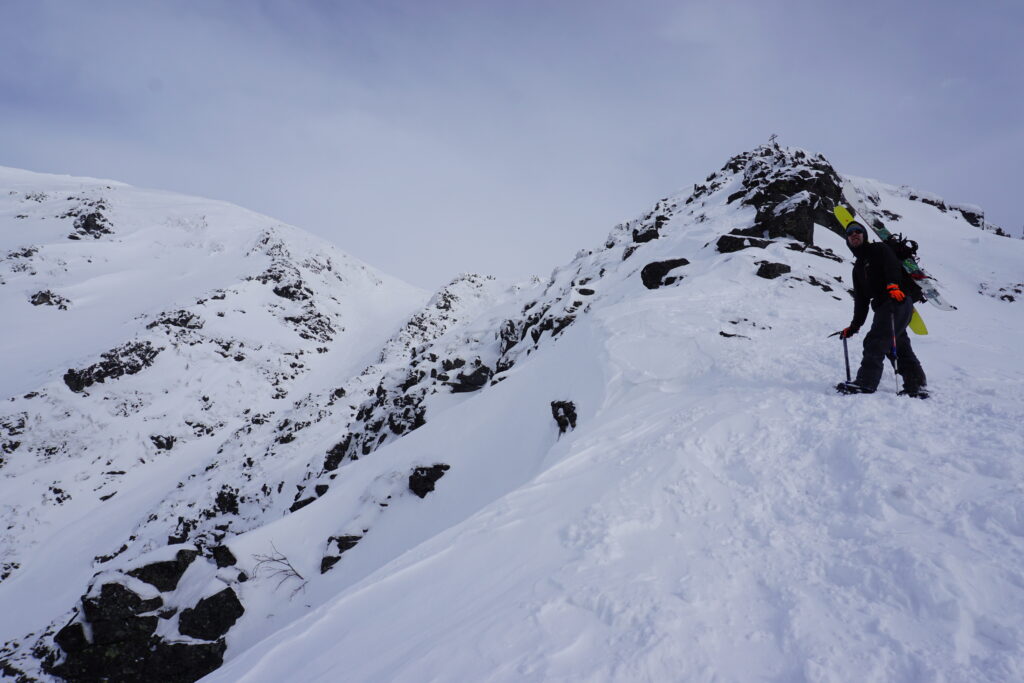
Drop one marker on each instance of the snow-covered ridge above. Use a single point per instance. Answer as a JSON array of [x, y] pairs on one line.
[[625, 455], [150, 326]]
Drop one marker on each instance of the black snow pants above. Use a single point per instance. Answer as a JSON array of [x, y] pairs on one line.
[[890, 316]]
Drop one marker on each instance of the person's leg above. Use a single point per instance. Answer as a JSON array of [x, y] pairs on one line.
[[907, 362], [877, 343]]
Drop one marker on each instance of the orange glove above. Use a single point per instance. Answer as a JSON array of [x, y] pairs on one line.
[[848, 332], [896, 293]]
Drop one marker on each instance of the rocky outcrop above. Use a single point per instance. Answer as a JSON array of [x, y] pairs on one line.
[[48, 298], [211, 617], [336, 545], [770, 271], [114, 638], [791, 191], [12, 427], [89, 220], [653, 274], [473, 380], [181, 318], [422, 479], [564, 413], [223, 556], [735, 241], [124, 360], [165, 575]]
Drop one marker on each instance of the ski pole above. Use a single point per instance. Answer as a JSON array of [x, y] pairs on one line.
[[892, 351]]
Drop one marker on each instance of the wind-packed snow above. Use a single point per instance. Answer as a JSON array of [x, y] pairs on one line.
[[717, 514]]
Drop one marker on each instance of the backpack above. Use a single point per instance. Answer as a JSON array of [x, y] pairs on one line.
[[905, 248]]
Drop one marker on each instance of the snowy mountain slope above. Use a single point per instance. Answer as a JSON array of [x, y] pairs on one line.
[[716, 513], [170, 323]]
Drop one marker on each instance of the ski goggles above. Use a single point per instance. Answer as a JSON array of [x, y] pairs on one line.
[[855, 227]]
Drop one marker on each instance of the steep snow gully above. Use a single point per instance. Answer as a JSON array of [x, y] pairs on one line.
[[229, 450]]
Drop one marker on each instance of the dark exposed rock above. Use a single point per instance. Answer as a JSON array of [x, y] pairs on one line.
[[48, 298], [449, 364], [790, 190], [815, 251], [124, 360], [770, 271], [71, 638], [299, 504], [296, 291], [183, 319], [11, 426], [824, 286], [653, 274], [25, 252], [936, 202], [337, 453], [312, 324], [114, 615], [183, 662], [165, 575], [729, 243], [473, 381], [422, 479], [538, 325], [93, 224], [344, 543], [645, 234], [211, 617], [163, 443], [151, 659], [509, 334], [223, 556], [1008, 293], [183, 529], [226, 501], [341, 544], [972, 216], [8, 568], [564, 413]]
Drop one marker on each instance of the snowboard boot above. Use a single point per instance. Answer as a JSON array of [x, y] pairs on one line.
[[852, 388]]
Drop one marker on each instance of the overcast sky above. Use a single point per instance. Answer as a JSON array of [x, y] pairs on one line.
[[430, 138]]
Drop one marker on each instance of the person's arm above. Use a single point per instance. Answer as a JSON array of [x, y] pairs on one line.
[[860, 314], [861, 304]]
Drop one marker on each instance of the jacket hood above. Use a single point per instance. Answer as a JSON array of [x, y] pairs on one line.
[[867, 239]]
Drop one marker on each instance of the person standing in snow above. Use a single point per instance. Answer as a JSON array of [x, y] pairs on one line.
[[876, 277]]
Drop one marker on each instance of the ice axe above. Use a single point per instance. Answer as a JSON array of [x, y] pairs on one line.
[[846, 352]]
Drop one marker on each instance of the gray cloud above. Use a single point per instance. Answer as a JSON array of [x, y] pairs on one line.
[[434, 138]]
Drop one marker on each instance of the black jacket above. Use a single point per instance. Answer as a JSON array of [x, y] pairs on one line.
[[874, 270]]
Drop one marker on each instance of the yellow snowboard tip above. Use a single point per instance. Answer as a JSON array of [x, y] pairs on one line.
[[844, 215], [917, 325]]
